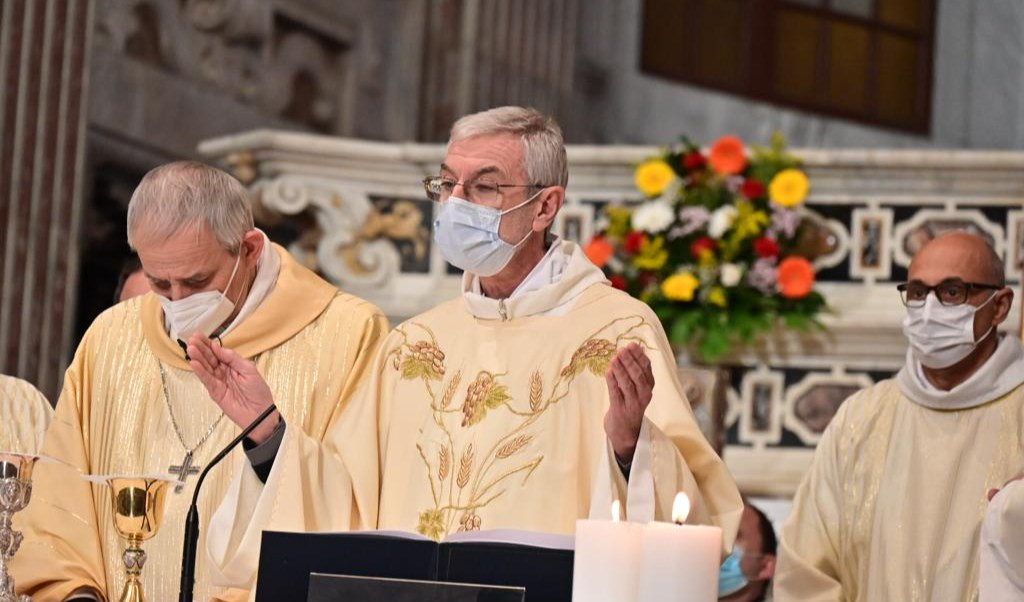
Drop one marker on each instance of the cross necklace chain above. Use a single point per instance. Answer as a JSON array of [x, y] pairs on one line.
[[186, 468]]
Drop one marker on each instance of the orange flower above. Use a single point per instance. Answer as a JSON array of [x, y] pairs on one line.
[[796, 277], [599, 251], [727, 156]]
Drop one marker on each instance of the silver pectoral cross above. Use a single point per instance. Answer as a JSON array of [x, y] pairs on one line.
[[184, 470]]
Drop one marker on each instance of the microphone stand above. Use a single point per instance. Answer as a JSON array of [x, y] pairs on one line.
[[188, 555]]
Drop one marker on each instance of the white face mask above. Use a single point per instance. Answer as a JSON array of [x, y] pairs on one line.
[[202, 312], [942, 335], [467, 235]]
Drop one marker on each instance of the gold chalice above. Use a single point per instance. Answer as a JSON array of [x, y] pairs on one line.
[[15, 493], [138, 510]]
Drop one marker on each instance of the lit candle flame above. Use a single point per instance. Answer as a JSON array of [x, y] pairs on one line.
[[680, 508], [616, 511]]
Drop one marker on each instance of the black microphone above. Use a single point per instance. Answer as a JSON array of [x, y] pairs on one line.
[[188, 555]]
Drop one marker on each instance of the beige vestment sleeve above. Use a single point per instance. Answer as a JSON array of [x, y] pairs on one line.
[[329, 485], [63, 552], [809, 562], [24, 416]]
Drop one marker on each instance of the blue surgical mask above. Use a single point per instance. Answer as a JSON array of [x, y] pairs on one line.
[[467, 235], [730, 577]]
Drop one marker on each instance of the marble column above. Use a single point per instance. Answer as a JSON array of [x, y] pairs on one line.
[[44, 54]]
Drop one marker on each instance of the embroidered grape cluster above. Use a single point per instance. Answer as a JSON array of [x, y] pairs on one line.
[[429, 354], [476, 395], [470, 522], [595, 354]]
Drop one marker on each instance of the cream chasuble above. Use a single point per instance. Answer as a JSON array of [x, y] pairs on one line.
[[310, 342], [24, 416], [485, 414], [1002, 546], [892, 506]]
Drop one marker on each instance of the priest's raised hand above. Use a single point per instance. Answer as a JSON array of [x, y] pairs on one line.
[[630, 381], [234, 384]]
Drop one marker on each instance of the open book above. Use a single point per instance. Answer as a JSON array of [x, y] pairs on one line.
[[552, 541], [540, 562]]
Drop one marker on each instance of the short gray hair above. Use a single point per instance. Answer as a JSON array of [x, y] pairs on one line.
[[178, 195], [543, 145]]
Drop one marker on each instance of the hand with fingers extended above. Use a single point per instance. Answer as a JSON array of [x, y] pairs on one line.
[[630, 381], [234, 384]]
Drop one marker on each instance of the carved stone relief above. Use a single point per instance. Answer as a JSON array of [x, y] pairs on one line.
[[249, 49]]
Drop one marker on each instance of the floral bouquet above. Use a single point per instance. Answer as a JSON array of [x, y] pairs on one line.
[[715, 247]]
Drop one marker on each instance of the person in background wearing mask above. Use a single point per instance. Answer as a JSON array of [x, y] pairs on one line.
[[892, 505], [131, 402], [746, 574], [533, 399]]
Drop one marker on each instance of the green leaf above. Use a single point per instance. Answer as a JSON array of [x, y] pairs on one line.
[[413, 369], [497, 396], [683, 327]]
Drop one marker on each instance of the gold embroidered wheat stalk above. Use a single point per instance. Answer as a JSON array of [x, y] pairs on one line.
[[444, 463], [536, 390], [465, 467], [513, 446], [449, 393]]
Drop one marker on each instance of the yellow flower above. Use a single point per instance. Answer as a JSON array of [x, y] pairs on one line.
[[706, 258], [680, 287], [618, 220], [653, 176], [749, 220], [789, 187], [652, 255], [717, 296]]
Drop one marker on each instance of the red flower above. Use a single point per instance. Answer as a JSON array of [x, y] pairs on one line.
[[634, 241], [752, 188], [646, 279], [599, 251], [766, 247], [728, 156], [701, 245], [694, 160], [619, 281], [796, 277]]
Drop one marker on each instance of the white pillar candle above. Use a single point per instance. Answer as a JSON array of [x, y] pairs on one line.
[[680, 562], [607, 559]]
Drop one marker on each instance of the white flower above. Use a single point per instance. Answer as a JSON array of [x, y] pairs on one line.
[[653, 217], [721, 220], [730, 274]]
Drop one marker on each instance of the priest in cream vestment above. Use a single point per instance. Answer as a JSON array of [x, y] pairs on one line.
[[892, 506], [521, 404], [24, 416], [132, 404]]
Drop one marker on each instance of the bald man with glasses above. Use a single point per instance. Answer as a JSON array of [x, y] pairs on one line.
[[893, 503]]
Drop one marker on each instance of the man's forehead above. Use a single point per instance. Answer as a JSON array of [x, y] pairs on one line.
[[173, 262], [941, 263], [484, 154]]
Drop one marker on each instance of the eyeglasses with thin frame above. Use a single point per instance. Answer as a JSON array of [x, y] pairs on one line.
[[951, 291], [484, 190]]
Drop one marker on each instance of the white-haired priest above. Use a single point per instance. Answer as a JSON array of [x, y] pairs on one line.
[[132, 404]]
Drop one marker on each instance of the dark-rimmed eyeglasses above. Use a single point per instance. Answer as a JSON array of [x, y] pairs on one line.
[[484, 190], [951, 291]]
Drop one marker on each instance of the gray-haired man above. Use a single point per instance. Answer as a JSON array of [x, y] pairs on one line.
[[533, 399], [132, 404]]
